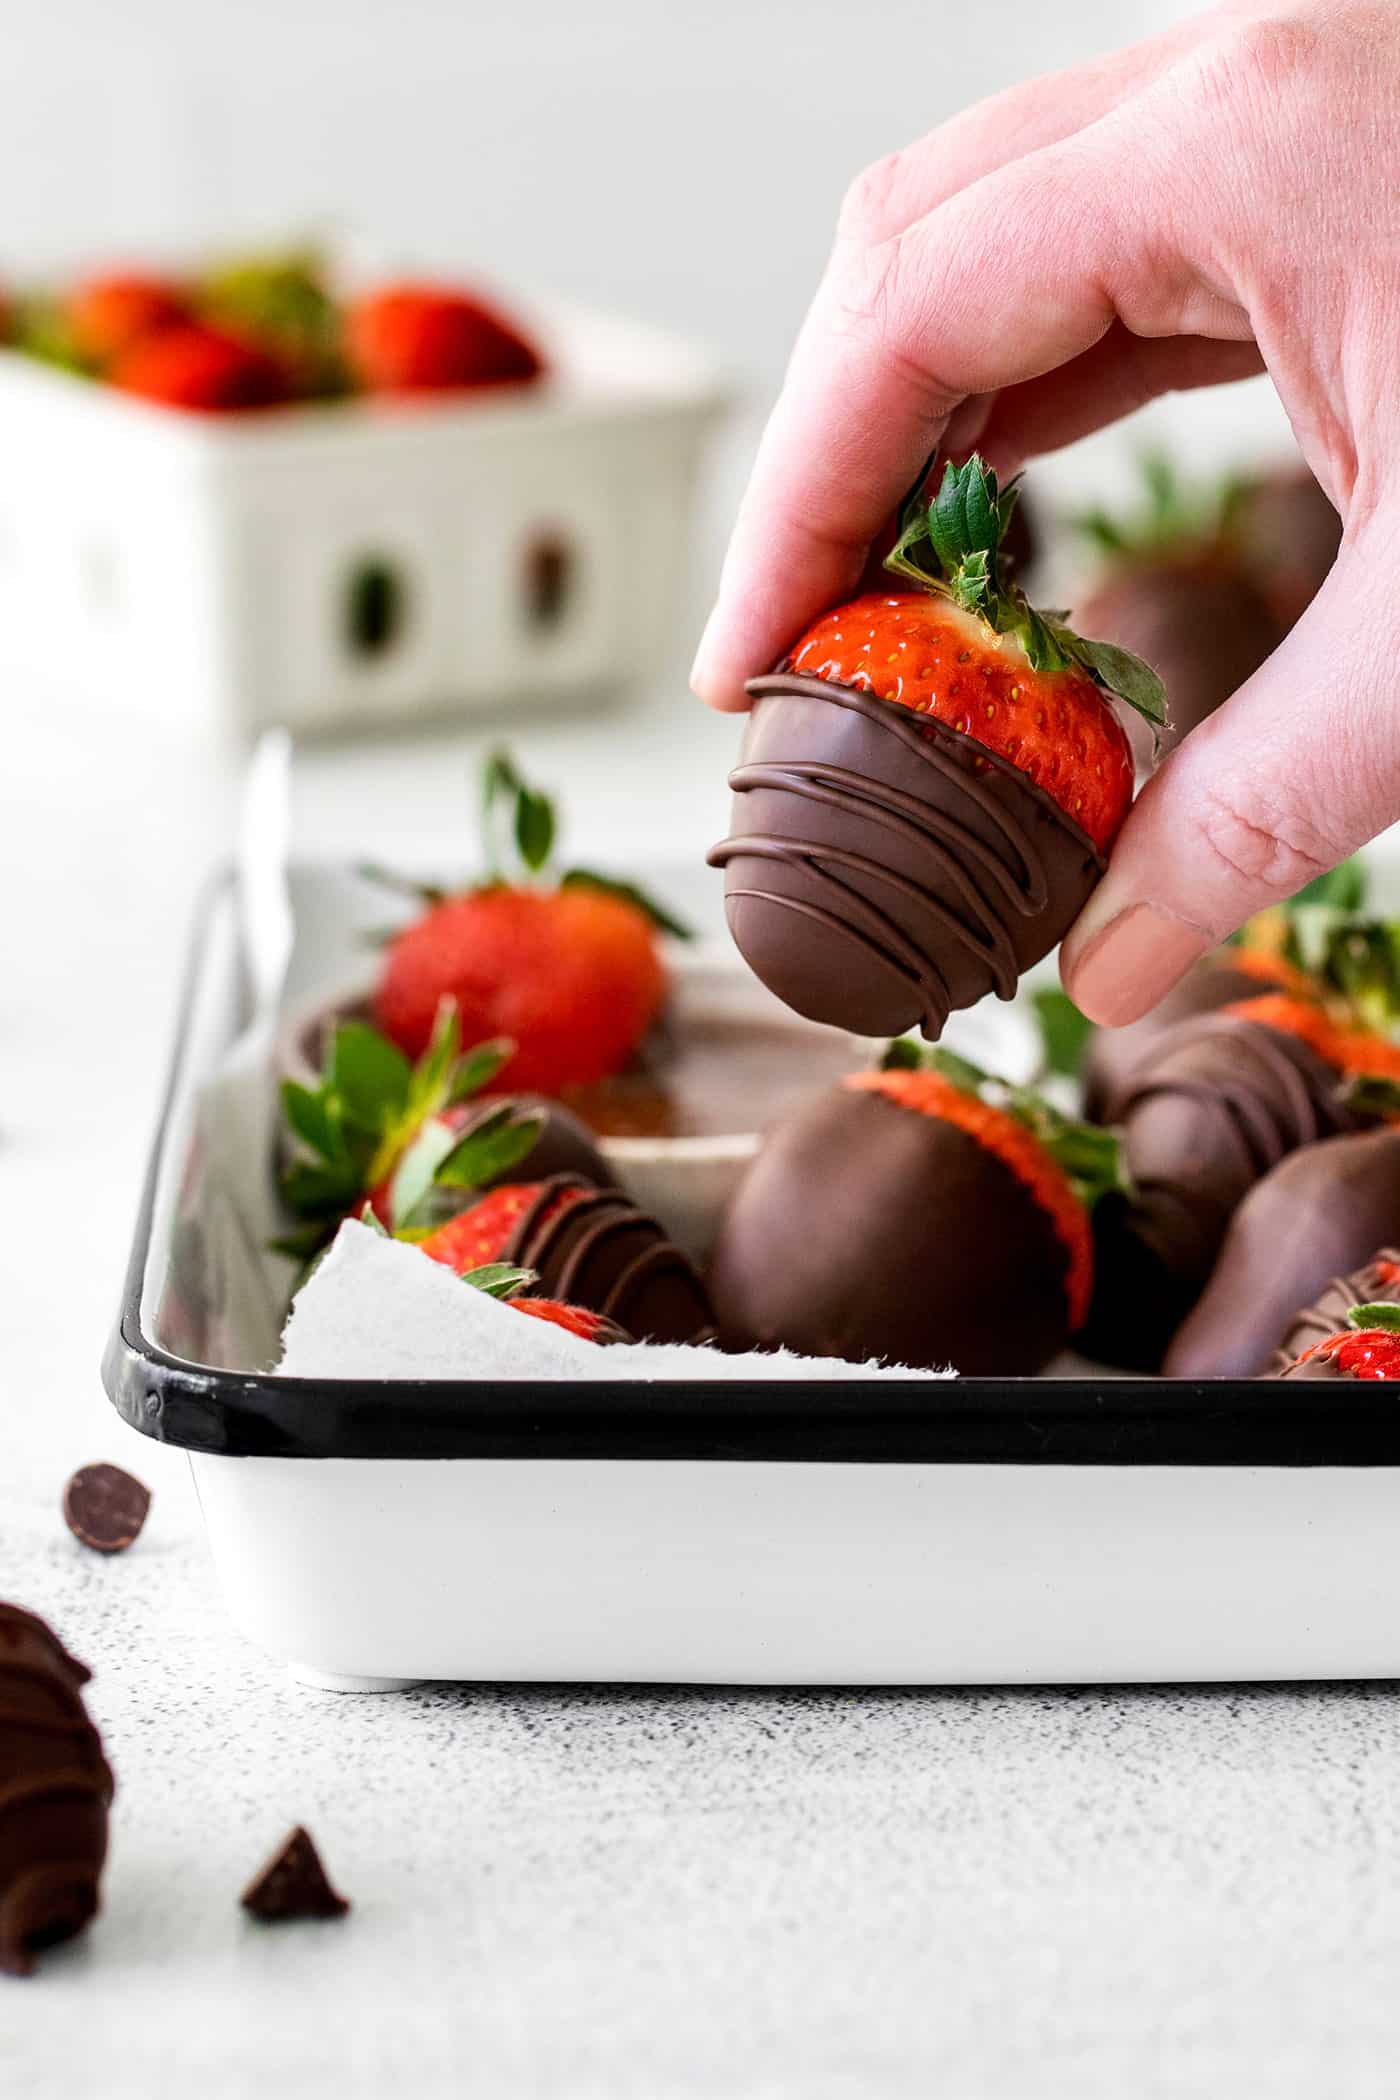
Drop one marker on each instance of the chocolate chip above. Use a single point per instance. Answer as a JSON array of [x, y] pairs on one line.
[[293, 1884], [105, 1507]]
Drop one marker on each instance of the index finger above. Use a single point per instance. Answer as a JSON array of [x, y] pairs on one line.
[[1008, 279]]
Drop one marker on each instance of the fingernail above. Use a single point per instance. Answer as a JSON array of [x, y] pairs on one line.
[[1131, 963]]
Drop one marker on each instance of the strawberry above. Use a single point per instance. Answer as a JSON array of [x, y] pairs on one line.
[[501, 1280], [198, 368], [968, 649], [423, 338], [399, 1143], [480, 1236], [563, 1239], [925, 1213], [572, 971], [1359, 1054], [1368, 1348], [108, 315], [588, 1326]]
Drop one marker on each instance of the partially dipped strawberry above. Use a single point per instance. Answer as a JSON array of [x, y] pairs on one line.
[[411, 1144], [1368, 1347], [502, 1280], [925, 1214], [568, 966], [585, 1246], [930, 782]]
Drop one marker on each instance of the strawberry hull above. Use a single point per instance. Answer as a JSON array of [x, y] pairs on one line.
[[884, 870]]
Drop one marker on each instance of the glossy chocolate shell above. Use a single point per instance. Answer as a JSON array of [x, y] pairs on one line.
[[864, 1229], [884, 870], [602, 1253]]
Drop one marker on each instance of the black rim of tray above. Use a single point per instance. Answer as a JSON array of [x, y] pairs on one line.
[[966, 1421]]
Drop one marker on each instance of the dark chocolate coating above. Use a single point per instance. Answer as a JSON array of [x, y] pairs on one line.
[[1200, 622], [865, 1229], [1316, 1367], [55, 1787], [1205, 1117], [1320, 1214], [1290, 535], [606, 1255], [883, 869], [1114, 1053]]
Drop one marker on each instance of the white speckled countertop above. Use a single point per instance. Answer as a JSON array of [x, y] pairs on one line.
[[613, 1892]]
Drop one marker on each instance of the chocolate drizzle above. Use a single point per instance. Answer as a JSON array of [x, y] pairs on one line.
[[599, 1251], [885, 869], [1217, 1103], [55, 1787]]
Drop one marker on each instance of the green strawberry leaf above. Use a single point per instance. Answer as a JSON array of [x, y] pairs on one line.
[[534, 829], [628, 893], [1064, 1031], [498, 1279], [314, 1118], [319, 1192], [498, 1142], [430, 1084], [532, 816], [369, 1074], [1385, 1317], [428, 893], [1343, 887], [478, 1067], [418, 1170], [904, 1054], [1118, 671], [300, 1243]]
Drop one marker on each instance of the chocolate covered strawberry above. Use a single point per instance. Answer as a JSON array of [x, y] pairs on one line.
[[412, 1143], [930, 782], [504, 1281], [925, 1214], [584, 1246], [568, 966], [1214, 1105], [1367, 1348]]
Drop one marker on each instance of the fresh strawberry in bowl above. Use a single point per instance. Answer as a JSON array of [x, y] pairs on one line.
[[200, 369], [428, 338], [930, 783], [106, 315]]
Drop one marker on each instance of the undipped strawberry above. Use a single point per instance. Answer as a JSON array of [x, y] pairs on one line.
[[570, 968], [425, 338], [107, 315], [200, 369]]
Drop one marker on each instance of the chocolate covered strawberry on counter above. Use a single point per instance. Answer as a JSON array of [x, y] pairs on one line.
[[923, 1213], [930, 782]]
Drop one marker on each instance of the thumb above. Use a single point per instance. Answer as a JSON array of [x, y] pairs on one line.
[[1295, 772]]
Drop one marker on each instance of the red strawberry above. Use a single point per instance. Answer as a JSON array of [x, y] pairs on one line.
[[109, 315], [572, 973], [422, 338], [968, 649], [1368, 1347], [481, 1236], [589, 1326], [193, 367]]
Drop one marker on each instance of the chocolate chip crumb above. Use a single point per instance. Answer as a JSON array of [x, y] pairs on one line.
[[293, 1884], [105, 1507]]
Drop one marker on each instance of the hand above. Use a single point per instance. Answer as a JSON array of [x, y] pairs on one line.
[[1218, 201]]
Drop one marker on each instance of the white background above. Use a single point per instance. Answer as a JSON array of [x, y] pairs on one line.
[[613, 1893]]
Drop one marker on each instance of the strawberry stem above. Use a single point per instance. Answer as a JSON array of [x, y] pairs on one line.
[[949, 544]]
